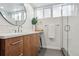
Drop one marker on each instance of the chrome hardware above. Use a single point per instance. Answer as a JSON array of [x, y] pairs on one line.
[[67, 28]]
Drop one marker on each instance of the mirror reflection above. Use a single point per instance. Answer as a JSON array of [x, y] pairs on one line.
[[13, 13]]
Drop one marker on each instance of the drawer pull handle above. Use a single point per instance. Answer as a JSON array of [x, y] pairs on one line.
[[21, 54], [16, 42]]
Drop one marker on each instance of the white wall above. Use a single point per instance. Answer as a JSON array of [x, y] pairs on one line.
[[7, 28], [51, 43], [30, 14]]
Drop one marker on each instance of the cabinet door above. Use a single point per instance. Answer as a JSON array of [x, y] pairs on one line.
[[31, 44], [35, 44], [27, 47]]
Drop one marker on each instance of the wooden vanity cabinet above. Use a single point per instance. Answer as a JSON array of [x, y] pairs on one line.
[[27, 45], [12, 46], [31, 45]]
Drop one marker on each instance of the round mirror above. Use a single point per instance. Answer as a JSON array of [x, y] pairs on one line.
[[13, 13]]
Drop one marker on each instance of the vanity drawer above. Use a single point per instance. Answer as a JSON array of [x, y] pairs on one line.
[[12, 46], [14, 50], [13, 41]]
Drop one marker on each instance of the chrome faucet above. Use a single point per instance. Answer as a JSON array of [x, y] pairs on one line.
[[15, 31], [19, 28]]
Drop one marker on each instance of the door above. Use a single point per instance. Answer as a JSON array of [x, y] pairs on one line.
[[65, 27], [70, 31], [65, 35]]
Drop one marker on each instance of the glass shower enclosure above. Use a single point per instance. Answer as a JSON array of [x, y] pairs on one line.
[[70, 29]]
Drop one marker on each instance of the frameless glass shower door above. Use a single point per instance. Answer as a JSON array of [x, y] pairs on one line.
[[66, 13], [70, 26], [65, 36]]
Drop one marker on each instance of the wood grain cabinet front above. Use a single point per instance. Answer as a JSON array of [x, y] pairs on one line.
[[12, 46], [31, 44], [35, 44], [27, 45]]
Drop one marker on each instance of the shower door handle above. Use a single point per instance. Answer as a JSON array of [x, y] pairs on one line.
[[67, 28]]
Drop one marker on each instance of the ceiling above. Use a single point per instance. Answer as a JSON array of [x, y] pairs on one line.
[[35, 5]]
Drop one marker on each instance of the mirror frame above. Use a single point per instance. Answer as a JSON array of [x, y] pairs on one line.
[[12, 23]]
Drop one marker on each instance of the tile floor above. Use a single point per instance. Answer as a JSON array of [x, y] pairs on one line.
[[50, 52]]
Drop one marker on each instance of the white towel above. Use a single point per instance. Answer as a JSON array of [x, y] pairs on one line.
[[51, 31]]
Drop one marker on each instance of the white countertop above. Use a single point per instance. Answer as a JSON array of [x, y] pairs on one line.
[[10, 35]]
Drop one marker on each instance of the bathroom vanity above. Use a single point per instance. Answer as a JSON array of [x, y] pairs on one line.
[[20, 44]]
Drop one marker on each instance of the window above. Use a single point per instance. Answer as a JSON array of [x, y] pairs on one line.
[[24, 15], [56, 11], [47, 12], [67, 10], [39, 13], [17, 16]]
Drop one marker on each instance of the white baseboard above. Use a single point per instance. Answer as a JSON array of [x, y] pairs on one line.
[[57, 48]]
